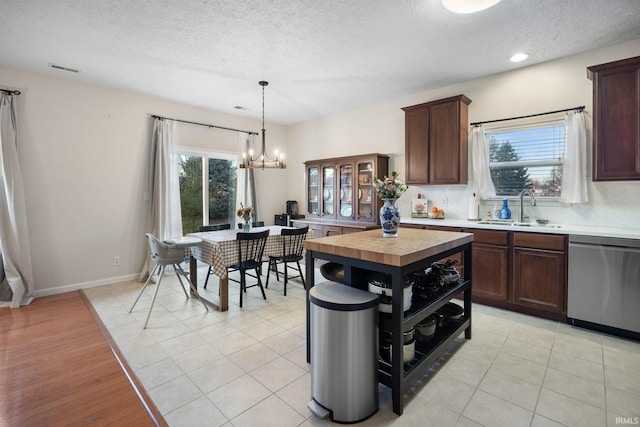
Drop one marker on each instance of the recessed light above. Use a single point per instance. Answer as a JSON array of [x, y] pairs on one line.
[[468, 6], [519, 57]]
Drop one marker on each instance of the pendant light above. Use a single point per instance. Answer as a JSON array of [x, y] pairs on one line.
[[251, 160]]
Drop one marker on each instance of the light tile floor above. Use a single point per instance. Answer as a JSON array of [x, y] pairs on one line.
[[247, 367]]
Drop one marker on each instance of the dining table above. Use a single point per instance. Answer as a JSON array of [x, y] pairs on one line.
[[219, 249]]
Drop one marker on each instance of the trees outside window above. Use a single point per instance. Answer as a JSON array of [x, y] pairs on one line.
[[209, 200], [508, 181], [528, 157]]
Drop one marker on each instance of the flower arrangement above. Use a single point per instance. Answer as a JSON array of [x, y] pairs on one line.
[[389, 187], [245, 213]]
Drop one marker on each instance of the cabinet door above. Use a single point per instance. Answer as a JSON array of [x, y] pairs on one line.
[[490, 271], [346, 196], [416, 145], [539, 279], [328, 191], [366, 196], [313, 190], [445, 145], [616, 120]]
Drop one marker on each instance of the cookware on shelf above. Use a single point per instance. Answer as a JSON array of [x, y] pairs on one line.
[[408, 348], [426, 329], [449, 312], [446, 271], [425, 283], [381, 284]]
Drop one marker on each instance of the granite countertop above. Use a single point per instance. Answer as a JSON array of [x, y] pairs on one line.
[[552, 228]]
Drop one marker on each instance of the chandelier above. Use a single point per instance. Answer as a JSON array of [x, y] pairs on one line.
[[252, 160]]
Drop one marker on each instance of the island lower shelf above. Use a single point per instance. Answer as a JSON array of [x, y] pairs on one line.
[[427, 352]]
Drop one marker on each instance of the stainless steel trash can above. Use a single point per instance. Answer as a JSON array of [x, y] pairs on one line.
[[344, 352]]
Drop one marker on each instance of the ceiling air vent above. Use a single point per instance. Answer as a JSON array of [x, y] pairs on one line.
[[59, 67]]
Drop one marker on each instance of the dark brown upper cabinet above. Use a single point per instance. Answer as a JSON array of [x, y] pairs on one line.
[[616, 120], [436, 141]]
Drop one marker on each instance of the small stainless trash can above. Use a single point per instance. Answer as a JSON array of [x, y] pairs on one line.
[[344, 352]]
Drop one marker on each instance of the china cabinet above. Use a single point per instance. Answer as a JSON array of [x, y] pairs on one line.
[[340, 196], [616, 120]]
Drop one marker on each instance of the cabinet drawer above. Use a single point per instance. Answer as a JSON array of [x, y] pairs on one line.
[[540, 241], [489, 236], [347, 230]]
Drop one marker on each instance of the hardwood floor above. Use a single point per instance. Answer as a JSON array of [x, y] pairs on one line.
[[59, 367]]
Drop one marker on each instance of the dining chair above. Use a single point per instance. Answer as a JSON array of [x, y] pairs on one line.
[[250, 251], [165, 254], [212, 227], [253, 224], [292, 248]]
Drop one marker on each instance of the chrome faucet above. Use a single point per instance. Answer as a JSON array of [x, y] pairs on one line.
[[521, 215]]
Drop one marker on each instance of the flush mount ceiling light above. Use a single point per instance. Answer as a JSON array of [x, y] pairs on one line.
[[519, 57], [468, 6], [262, 160]]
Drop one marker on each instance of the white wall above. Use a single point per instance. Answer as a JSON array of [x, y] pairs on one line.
[[546, 87], [83, 152]]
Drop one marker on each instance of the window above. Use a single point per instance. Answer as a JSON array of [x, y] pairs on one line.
[[208, 189], [527, 156]]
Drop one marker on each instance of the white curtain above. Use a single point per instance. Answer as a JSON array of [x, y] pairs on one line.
[[16, 287], [166, 216], [574, 173], [482, 182]]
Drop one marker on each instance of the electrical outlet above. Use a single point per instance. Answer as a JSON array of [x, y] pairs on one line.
[[444, 201], [116, 260]]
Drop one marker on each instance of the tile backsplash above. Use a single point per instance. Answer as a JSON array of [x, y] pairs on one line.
[[611, 204]]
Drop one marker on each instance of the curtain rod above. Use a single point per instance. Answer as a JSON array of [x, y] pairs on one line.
[[203, 124], [10, 91], [578, 109]]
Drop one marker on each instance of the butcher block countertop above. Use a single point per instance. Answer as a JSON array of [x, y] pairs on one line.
[[410, 246]]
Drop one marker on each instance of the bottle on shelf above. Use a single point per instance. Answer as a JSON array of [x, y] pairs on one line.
[[495, 212]]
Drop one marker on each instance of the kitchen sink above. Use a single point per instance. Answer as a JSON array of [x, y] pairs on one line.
[[517, 224]]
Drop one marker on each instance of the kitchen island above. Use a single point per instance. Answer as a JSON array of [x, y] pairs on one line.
[[413, 250]]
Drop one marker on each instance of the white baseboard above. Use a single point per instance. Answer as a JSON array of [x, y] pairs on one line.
[[85, 285]]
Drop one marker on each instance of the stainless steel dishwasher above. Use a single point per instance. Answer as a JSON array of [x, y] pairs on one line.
[[604, 284]]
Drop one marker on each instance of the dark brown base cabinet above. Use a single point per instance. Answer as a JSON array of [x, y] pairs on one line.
[[490, 264], [518, 271], [322, 229], [540, 272]]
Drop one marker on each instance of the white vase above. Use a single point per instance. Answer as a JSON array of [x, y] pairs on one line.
[[246, 227], [389, 218]]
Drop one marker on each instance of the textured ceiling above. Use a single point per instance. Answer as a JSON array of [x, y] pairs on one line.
[[320, 57]]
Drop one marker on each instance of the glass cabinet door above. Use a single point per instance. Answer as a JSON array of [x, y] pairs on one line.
[[366, 193], [345, 210], [313, 187], [328, 190]]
